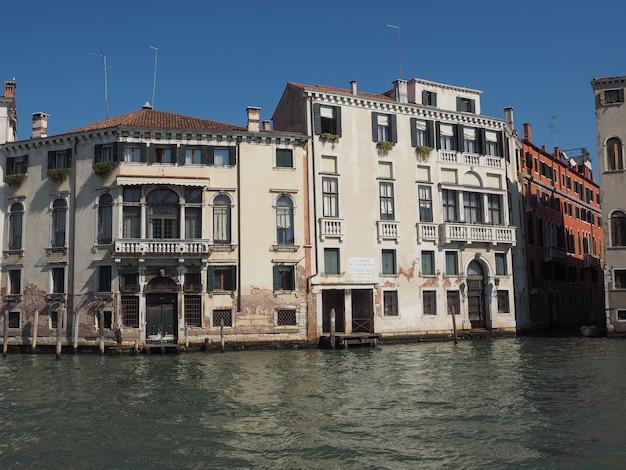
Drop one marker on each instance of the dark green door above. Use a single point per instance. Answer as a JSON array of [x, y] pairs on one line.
[[161, 318]]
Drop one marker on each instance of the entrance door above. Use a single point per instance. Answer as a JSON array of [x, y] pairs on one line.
[[161, 318], [476, 296], [362, 311], [333, 299]]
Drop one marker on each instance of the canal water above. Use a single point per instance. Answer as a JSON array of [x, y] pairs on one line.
[[503, 403]]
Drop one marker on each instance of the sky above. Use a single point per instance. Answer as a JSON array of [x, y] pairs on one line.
[[215, 58]]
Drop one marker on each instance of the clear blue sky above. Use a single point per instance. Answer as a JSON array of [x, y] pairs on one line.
[[216, 58]]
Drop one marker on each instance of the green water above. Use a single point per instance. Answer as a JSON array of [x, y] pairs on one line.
[[507, 403]]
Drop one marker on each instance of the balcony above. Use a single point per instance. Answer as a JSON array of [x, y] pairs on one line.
[[164, 248], [494, 234], [387, 230], [591, 261], [471, 159], [551, 253], [331, 228], [427, 232]]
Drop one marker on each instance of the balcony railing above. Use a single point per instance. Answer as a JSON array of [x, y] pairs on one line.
[[494, 234], [388, 230], [427, 232], [174, 247], [331, 228], [472, 159]]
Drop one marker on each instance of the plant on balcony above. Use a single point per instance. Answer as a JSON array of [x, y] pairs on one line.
[[14, 181], [423, 151], [103, 169], [11, 298], [328, 137], [58, 175], [384, 146]]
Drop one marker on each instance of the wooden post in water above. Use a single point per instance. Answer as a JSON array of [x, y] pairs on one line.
[[75, 339], [101, 328], [33, 343], [59, 323], [454, 326], [5, 345], [333, 315], [186, 337], [222, 333], [136, 351]]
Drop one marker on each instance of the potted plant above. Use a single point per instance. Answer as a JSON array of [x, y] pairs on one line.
[[424, 151], [14, 181], [328, 137], [384, 146], [58, 175], [103, 169]]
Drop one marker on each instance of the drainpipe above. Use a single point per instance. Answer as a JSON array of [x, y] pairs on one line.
[[70, 274], [238, 157], [311, 156]]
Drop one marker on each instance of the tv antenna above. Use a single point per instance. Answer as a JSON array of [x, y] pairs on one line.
[[106, 89], [156, 55], [399, 48], [554, 129]]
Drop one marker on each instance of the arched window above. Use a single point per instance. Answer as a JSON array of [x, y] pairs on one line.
[[614, 159], [618, 228], [163, 214], [284, 221], [59, 217], [105, 219], [16, 219], [221, 219]]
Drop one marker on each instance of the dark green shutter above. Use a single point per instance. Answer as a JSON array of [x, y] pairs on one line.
[[393, 128], [10, 166], [430, 134], [25, 161], [232, 155], [203, 155], [210, 155], [151, 155], [459, 103], [276, 277], [425, 97], [174, 153], [472, 106], [210, 278], [97, 153], [413, 132], [459, 138], [438, 134], [144, 152], [233, 277], [481, 141], [317, 119], [433, 100], [337, 114], [68, 160], [500, 143], [374, 127], [119, 152], [51, 160], [182, 153]]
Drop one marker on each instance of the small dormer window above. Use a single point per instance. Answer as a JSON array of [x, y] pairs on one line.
[[465, 105], [612, 96]]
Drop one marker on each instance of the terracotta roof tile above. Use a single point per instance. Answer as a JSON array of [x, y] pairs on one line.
[[329, 89]]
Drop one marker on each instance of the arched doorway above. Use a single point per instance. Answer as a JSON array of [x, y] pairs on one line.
[[476, 295], [161, 310]]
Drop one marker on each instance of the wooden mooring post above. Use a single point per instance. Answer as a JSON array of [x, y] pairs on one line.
[[333, 316], [33, 342], [5, 345], [454, 327], [101, 330], [222, 334]]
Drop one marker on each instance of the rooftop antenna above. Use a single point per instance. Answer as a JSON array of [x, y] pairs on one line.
[[554, 129], [156, 55], [106, 89], [399, 48]]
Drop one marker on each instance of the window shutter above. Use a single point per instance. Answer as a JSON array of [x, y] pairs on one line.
[[203, 155], [374, 127], [424, 97], [434, 99], [173, 152], [459, 103], [430, 134], [118, 148], [68, 160], [151, 155], [210, 278], [10, 166], [438, 135], [337, 112], [473, 106], [232, 155], [51, 160], [621, 95], [393, 128], [458, 134], [481, 139], [317, 120], [210, 155], [97, 153], [413, 132], [500, 144], [233, 277], [144, 152], [276, 277], [182, 152]]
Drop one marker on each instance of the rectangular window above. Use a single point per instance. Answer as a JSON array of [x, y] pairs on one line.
[[469, 140], [106, 318], [387, 205], [193, 282], [330, 197], [131, 212], [384, 127], [193, 156], [104, 279], [619, 278], [284, 158], [390, 303], [221, 156], [331, 261], [17, 165], [452, 263], [389, 262], [428, 263], [495, 209], [501, 264], [449, 203], [222, 278], [132, 154], [222, 317], [425, 203], [284, 277], [286, 317], [472, 206], [430, 302], [163, 155], [429, 98], [621, 315], [58, 280], [493, 149], [465, 105], [60, 158], [193, 222], [15, 281], [129, 282], [327, 119], [14, 318], [503, 301], [130, 311], [612, 96], [453, 299], [446, 137], [193, 310]]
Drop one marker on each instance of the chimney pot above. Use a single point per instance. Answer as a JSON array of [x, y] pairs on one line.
[[527, 132], [9, 89], [40, 125], [253, 118], [353, 89]]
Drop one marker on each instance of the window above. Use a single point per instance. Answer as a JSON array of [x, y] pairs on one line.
[[104, 279], [619, 278], [58, 280], [387, 206], [16, 221], [331, 261], [621, 315], [390, 303], [131, 212], [129, 282], [454, 302], [503, 301], [501, 264], [163, 213], [107, 319], [384, 127], [15, 281], [428, 263], [495, 209], [429, 98], [330, 197], [162, 154], [59, 215], [192, 282], [617, 225], [193, 156], [222, 220], [612, 96], [284, 277], [222, 317], [493, 148], [130, 311], [284, 221], [452, 263], [465, 105], [429, 302], [193, 212], [327, 119], [389, 262], [286, 317], [472, 206], [446, 137], [469, 140], [221, 157], [60, 158], [222, 278], [193, 310], [421, 133], [449, 203], [284, 158], [425, 203], [14, 318], [133, 154], [105, 219], [17, 165], [614, 159]]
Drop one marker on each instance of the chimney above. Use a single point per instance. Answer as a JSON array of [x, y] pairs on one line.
[[9, 89], [353, 87], [253, 118], [508, 116], [527, 135], [402, 95], [267, 125], [40, 125]]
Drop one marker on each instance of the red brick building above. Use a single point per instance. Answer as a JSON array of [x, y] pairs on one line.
[[563, 234]]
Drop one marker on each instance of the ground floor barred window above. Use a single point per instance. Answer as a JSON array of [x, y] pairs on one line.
[[193, 310], [222, 315], [286, 317], [130, 311]]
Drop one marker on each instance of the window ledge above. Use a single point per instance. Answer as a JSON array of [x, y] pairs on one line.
[[221, 292], [293, 248]]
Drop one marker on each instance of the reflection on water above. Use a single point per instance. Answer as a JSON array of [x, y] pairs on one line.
[[508, 403]]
